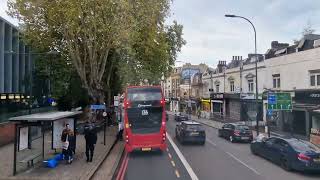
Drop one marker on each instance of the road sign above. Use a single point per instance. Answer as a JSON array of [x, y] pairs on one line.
[[97, 107], [279, 101]]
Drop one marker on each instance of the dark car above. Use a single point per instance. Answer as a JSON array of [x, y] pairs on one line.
[[235, 132], [189, 131], [167, 116], [181, 117], [290, 153]]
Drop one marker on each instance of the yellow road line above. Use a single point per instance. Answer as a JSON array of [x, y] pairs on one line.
[[173, 164], [177, 173]]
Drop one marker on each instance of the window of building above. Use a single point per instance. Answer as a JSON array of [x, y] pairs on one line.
[[232, 86], [315, 80], [276, 80], [217, 88], [250, 85]]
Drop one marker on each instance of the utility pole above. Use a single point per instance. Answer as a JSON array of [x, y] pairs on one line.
[[256, 65]]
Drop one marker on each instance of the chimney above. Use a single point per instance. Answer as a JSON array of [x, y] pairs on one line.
[[221, 65]]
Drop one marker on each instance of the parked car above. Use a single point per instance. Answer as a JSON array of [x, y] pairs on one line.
[[190, 131], [167, 116], [235, 132], [181, 117], [290, 153]]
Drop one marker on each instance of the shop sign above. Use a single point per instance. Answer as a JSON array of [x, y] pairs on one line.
[[315, 136], [216, 96], [205, 100], [312, 97]]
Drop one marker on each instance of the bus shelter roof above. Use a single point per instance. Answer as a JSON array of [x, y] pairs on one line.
[[48, 116]]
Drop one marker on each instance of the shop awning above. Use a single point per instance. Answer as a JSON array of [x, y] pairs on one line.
[[316, 111], [205, 100]]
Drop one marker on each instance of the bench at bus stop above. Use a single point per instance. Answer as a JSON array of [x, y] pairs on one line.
[[54, 120]]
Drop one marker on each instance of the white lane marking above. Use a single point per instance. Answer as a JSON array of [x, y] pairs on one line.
[[177, 173], [209, 141], [173, 164], [252, 169], [183, 159]]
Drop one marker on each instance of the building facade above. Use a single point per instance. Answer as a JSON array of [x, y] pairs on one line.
[[15, 70]]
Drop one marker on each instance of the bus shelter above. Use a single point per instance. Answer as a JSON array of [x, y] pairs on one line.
[[50, 121]]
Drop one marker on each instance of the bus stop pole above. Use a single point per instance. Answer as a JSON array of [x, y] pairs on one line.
[[15, 150], [42, 129], [104, 131]]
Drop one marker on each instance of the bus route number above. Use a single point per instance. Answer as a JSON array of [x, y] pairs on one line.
[[144, 112]]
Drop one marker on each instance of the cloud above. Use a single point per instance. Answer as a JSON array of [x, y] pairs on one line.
[[211, 36]]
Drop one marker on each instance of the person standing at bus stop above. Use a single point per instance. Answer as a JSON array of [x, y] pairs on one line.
[[90, 136]]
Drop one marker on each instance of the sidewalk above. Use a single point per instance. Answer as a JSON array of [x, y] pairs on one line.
[[79, 169]]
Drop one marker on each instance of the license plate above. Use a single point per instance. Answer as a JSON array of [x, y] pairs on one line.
[[316, 160], [244, 138], [146, 149], [194, 133]]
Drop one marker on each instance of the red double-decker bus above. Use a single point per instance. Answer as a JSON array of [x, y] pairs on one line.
[[144, 118]]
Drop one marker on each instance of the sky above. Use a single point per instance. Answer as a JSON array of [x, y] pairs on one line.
[[212, 37]]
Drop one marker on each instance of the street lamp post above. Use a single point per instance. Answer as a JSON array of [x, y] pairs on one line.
[[256, 64]]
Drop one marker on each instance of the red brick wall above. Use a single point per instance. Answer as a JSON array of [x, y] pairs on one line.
[[6, 133]]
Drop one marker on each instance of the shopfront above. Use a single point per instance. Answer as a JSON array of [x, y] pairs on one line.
[[306, 112], [174, 105], [217, 100], [233, 106], [205, 108]]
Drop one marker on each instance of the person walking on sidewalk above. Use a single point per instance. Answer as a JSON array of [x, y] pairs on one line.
[[199, 113], [71, 148], [64, 140], [90, 136], [120, 131]]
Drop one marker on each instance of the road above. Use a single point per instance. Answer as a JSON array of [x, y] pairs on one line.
[[217, 159]]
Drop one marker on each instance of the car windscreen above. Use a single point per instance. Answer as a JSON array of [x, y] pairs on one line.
[[303, 146], [242, 128]]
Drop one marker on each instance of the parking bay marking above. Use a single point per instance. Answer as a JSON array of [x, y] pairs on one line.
[[183, 159], [234, 157]]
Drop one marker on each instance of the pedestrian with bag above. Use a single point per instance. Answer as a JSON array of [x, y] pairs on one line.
[[90, 136], [65, 141]]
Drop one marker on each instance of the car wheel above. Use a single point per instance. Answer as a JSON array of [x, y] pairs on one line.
[[285, 165], [202, 143], [231, 139]]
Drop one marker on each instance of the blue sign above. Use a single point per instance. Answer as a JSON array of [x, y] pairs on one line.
[[272, 99], [269, 112], [97, 107]]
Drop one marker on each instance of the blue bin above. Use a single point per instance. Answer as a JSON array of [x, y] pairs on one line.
[[50, 163], [58, 157]]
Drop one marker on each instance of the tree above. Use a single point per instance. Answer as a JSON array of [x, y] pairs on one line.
[[306, 31], [103, 37], [86, 29]]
